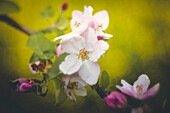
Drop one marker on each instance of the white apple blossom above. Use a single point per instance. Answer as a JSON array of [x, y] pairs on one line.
[[81, 21], [73, 83], [84, 51]]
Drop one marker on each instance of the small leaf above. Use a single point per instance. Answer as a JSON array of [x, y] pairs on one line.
[[105, 79], [44, 48], [47, 13], [61, 23], [60, 95], [7, 7], [34, 58], [54, 70]]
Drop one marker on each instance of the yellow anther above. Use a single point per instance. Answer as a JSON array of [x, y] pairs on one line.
[[83, 54], [76, 24], [100, 27], [139, 89]]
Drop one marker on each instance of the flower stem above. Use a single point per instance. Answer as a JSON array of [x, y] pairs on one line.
[[16, 25], [102, 92]]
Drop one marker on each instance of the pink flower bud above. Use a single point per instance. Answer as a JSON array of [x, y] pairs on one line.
[[115, 100], [64, 6], [22, 85], [100, 38]]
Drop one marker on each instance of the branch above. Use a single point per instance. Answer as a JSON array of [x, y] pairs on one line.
[[14, 24]]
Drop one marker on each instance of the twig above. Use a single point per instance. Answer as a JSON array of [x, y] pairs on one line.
[[16, 25]]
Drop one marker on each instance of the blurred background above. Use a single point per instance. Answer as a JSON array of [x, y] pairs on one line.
[[141, 45]]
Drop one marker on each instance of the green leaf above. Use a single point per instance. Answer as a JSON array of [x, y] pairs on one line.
[[54, 70], [34, 58], [105, 79], [61, 23], [47, 13], [7, 7], [44, 48], [60, 95]]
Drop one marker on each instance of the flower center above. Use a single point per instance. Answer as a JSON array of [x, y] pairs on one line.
[[83, 54], [139, 89], [72, 85], [76, 24], [100, 27]]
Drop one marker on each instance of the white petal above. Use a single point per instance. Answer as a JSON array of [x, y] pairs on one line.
[[80, 91], [91, 39], [71, 64], [64, 37], [102, 18], [69, 94], [105, 35], [66, 79], [101, 48], [89, 72], [73, 45], [88, 11], [143, 81]]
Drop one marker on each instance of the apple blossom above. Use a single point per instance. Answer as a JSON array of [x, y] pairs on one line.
[[81, 21], [83, 55], [115, 100], [73, 83], [139, 90]]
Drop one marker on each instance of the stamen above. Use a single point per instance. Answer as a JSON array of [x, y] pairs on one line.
[[139, 89], [83, 54], [76, 24], [100, 27]]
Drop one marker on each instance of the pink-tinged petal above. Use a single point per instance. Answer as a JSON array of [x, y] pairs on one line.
[[66, 79], [88, 11], [141, 85], [26, 85], [73, 45], [102, 18], [22, 80], [89, 72], [80, 91], [127, 85], [124, 90], [91, 39], [69, 94], [71, 64], [151, 92], [59, 51], [101, 48]]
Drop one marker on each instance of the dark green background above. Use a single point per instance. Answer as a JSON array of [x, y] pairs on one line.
[[141, 44]]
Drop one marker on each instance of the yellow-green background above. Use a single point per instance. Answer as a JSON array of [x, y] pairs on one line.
[[141, 44]]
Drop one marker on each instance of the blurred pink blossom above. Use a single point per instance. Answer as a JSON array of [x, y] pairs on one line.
[[115, 100]]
